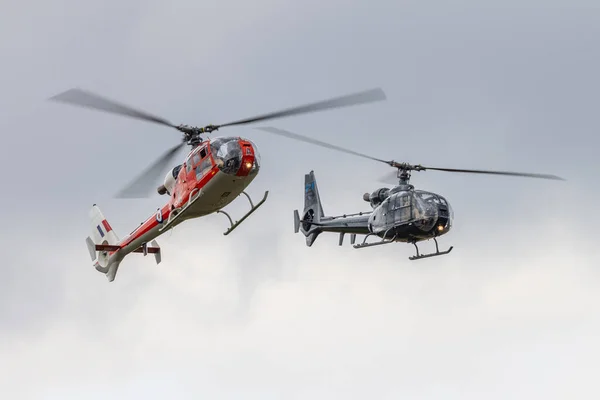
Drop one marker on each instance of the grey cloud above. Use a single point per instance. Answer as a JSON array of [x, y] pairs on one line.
[[505, 85], [405, 326]]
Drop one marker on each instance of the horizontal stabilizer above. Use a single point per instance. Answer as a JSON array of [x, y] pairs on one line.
[[157, 256], [113, 247], [91, 247], [296, 221], [107, 247], [151, 250]]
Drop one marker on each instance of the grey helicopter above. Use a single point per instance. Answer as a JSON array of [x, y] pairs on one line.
[[399, 214]]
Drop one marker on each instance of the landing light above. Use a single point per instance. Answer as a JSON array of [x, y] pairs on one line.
[[248, 165], [440, 228]]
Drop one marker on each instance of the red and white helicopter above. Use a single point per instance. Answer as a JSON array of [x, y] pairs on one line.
[[213, 174]]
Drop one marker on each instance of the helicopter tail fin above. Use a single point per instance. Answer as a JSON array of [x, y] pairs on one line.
[[312, 213]]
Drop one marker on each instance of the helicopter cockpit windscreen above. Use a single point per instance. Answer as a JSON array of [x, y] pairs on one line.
[[437, 211], [227, 153]]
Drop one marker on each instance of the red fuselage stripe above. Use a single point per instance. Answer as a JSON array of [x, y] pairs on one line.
[[152, 222]]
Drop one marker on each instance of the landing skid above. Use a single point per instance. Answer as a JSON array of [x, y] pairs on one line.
[[437, 252], [252, 209], [382, 241], [418, 256]]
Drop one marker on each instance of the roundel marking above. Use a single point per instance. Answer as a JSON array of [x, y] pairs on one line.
[[159, 216]]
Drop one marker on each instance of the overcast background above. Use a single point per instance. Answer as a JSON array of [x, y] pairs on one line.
[[512, 312]]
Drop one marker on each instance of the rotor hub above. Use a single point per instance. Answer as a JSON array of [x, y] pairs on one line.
[[404, 171], [406, 166], [193, 134]]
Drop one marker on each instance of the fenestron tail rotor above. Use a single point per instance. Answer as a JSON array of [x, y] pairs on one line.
[[142, 186], [403, 169]]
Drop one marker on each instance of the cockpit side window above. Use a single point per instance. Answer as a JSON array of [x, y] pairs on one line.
[[189, 163], [196, 159], [205, 164], [405, 200], [402, 207]]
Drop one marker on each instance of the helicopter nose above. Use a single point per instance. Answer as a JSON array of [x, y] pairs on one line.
[[236, 156], [249, 159]]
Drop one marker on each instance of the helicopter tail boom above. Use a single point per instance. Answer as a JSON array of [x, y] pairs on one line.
[[105, 248]]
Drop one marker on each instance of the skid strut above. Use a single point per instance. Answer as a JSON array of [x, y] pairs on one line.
[[175, 213], [252, 209], [437, 252]]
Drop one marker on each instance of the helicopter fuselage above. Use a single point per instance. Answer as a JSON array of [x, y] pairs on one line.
[[213, 174], [404, 214], [400, 214]]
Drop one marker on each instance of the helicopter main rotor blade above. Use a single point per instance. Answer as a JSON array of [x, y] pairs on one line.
[[367, 96], [306, 139], [392, 177], [507, 173], [86, 99], [142, 185]]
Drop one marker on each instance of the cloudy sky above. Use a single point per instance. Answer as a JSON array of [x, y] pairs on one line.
[[511, 313]]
